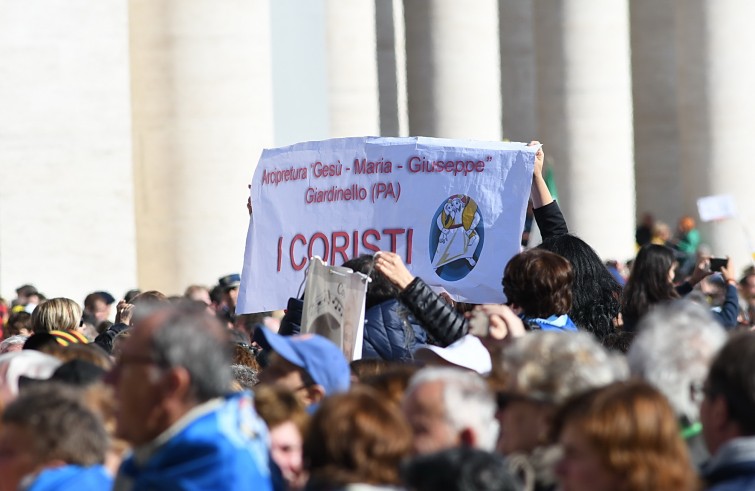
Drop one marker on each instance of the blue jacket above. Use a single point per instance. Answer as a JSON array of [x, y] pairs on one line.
[[733, 466], [385, 335], [72, 478], [223, 448], [552, 323]]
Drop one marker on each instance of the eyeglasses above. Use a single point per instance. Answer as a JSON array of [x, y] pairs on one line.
[[124, 360], [254, 350], [504, 399]]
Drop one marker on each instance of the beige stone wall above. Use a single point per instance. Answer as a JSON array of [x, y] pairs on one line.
[[518, 74], [202, 112], [654, 93], [354, 109], [66, 185], [585, 116], [453, 69], [716, 103]]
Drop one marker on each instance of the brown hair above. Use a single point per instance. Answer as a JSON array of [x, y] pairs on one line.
[[539, 282], [91, 353], [277, 405], [63, 428], [367, 367], [392, 383], [243, 355], [17, 321], [356, 437], [633, 427]]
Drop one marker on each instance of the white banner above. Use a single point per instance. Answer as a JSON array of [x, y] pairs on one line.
[[334, 306], [454, 210]]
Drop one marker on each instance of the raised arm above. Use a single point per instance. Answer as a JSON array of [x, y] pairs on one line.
[[547, 213], [540, 193], [440, 320]]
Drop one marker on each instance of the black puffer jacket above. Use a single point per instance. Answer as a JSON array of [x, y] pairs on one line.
[[443, 323]]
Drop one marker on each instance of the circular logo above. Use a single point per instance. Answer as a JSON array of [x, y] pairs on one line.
[[456, 237]]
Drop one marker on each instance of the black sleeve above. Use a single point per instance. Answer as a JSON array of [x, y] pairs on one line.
[[105, 340], [684, 289], [550, 221], [291, 322], [443, 323]]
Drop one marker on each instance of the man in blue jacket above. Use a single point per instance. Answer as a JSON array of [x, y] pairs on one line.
[[728, 416], [171, 381]]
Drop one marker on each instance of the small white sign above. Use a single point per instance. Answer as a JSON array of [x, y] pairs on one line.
[[334, 304], [718, 207]]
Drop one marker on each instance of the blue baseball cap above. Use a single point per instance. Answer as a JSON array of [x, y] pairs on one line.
[[319, 357]]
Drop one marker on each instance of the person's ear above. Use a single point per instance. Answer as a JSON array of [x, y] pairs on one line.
[[719, 413], [315, 394], [176, 383]]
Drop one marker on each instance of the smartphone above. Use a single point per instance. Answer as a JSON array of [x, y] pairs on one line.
[[479, 324], [716, 263]]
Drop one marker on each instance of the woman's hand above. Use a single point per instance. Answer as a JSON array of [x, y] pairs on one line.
[[390, 265], [728, 272], [539, 159], [124, 312], [540, 194], [701, 271]]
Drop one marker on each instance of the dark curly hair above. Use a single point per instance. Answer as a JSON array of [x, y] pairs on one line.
[[596, 299]]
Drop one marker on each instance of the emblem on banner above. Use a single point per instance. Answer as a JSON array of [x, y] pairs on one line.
[[456, 237]]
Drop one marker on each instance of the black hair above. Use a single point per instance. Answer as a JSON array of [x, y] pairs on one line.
[[648, 283], [596, 295], [731, 377], [380, 288]]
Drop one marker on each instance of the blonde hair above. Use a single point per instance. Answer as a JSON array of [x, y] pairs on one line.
[[56, 314]]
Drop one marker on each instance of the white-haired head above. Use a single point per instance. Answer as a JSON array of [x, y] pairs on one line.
[[468, 404], [673, 351], [553, 366]]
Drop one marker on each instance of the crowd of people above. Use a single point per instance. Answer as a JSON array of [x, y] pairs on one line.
[[587, 379]]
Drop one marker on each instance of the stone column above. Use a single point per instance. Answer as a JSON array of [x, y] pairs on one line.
[[585, 116], [391, 59], [453, 68], [202, 112], [716, 106], [66, 199], [656, 133], [352, 68], [518, 75]]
